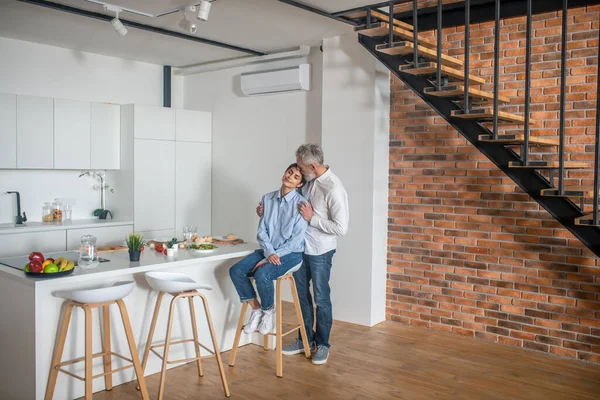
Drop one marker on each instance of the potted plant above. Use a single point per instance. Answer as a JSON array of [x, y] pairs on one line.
[[135, 243]]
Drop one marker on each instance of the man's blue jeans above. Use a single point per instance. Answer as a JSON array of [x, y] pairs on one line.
[[240, 274], [317, 268]]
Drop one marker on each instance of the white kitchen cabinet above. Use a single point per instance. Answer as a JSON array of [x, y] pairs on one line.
[[154, 123], [105, 236], [35, 132], [105, 136], [193, 162], [72, 121], [154, 185], [21, 244], [8, 130], [193, 126]]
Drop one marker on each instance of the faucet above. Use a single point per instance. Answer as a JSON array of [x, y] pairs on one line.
[[19, 219]]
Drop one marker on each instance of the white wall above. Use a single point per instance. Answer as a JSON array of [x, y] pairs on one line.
[[355, 139], [39, 70], [254, 139]]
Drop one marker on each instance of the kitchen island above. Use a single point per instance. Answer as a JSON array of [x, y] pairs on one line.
[[30, 315]]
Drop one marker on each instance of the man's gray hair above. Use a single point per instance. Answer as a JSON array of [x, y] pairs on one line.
[[310, 154]]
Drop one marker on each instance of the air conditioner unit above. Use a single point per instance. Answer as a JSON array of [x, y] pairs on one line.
[[276, 81]]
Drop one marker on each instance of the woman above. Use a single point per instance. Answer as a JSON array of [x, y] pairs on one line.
[[281, 237]]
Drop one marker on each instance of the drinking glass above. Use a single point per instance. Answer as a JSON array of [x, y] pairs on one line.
[[188, 232]]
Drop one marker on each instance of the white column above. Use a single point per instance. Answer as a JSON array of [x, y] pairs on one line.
[[355, 140]]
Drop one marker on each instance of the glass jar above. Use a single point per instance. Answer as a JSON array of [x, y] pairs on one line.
[[57, 211], [88, 253], [47, 214]]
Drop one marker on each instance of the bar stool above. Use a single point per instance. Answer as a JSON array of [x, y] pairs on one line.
[[279, 334], [180, 286], [89, 299]]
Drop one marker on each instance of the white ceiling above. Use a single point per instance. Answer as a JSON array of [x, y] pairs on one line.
[[333, 6], [262, 25]]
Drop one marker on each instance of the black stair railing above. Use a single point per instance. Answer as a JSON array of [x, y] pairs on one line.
[[496, 67], [415, 34], [525, 146], [597, 147], [391, 25], [563, 80], [439, 46], [467, 51]]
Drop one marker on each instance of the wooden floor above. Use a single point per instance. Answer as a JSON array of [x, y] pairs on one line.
[[389, 361]]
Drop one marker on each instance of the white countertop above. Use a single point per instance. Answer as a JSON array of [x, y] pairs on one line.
[[29, 227], [119, 264]]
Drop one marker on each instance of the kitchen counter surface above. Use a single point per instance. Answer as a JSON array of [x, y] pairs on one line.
[[119, 264], [10, 229]]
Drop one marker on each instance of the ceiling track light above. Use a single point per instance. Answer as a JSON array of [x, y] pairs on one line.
[[187, 25], [204, 10], [116, 22]]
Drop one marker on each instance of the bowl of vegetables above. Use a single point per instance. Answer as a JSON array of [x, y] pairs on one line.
[[202, 247]]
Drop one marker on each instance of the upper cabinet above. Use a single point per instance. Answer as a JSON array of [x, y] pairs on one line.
[[8, 130], [193, 126], [154, 123], [71, 134], [35, 132], [105, 136]]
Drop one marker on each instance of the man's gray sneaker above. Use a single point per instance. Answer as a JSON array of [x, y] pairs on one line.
[[296, 347], [320, 357]]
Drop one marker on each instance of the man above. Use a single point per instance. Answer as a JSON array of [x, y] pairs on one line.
[[327, 214]]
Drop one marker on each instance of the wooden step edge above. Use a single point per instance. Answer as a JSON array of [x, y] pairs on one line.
[[406, 47], [459, 91], [381, 16], [586, 194], [519, 139], [585, 220], [374, 30], [549, 165], [379, 29], [430, 68], [488, 115]]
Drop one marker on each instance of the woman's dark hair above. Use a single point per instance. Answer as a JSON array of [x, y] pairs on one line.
[[295, 165]]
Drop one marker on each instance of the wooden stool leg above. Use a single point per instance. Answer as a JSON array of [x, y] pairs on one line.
[[58, 350], [163, 371], [299, 316], [151, 333], [215, 345], [106, 346], [139, 372], [266, 342], [278, 328], [238, 334], [195, 330], [88, 352]]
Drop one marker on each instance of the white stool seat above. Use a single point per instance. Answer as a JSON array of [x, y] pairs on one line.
[[173, 282], [292, 270], [100, 294]]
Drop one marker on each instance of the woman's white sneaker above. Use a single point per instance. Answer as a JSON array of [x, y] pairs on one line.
[[267, 324], [254, 321]]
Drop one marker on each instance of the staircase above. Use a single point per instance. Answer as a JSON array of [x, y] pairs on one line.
[[452, 89]]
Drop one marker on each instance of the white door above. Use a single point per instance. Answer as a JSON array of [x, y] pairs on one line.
[[193, 187], [72, 121], [35, 132], [21, 244], [154, 123], [154, 185], [193, 126], [8, 130], [105, 136]]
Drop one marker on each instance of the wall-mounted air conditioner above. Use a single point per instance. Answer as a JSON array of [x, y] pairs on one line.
[[276, 81]]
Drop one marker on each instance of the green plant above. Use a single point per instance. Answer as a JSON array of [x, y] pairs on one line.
[[135, 241], [172, 242]]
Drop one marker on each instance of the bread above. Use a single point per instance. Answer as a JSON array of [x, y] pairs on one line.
[[231, 236]]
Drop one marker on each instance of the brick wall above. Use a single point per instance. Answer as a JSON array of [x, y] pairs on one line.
[[468, 251]]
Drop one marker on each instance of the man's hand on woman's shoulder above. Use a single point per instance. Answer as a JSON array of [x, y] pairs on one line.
[[260, 210]]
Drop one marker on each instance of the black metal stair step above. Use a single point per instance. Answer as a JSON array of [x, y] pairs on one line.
[[519, 139], [380, 16], [407, 48], [549, 165], [430, 69], [585, 220], [456, 92], [483, 115], [379, 29], [586, 194]]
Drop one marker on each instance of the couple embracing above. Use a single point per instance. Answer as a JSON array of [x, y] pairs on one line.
[[300, 222]]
